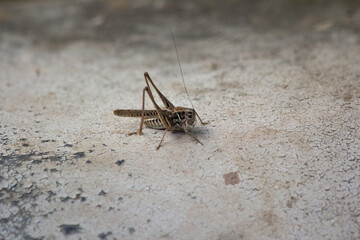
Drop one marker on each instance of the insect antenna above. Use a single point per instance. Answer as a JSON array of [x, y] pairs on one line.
[[181, 71], [182, 77]]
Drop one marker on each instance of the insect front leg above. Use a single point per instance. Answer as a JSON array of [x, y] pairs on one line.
[[194, 138], [203, 123]]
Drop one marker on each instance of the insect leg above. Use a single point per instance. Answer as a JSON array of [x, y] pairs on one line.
[[203, 123], [161, 139], [194, 138], [160, 112], [166, 101], [142, 111]]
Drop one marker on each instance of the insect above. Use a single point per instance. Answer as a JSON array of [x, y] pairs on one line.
[[169, 118]]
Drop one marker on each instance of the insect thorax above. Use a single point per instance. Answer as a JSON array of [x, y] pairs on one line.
[[178, 119], [183, 118]]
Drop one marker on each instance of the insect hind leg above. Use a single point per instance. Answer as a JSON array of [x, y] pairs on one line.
[[158, 109], [146, 89], [166, 101]]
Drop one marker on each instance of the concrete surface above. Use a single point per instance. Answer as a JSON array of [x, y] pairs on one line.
[[278, 84]]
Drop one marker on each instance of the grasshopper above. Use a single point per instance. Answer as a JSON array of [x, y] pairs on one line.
[[169, 118]]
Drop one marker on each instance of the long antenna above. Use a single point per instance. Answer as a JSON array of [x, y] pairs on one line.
[[182, 75]]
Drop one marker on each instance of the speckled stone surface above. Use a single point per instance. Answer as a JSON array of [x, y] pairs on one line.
[[280, 90]]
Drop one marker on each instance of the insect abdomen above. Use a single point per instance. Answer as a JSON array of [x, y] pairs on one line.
[[154, 123]]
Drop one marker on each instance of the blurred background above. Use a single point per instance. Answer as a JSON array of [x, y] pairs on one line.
[[59, 22]]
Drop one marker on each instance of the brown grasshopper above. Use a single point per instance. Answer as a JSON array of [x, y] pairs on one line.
[[170, 118]]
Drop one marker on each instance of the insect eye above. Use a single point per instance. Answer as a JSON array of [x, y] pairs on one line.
[[190, 115]]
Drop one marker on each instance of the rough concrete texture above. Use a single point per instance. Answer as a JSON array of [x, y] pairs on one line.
[[278, 83]]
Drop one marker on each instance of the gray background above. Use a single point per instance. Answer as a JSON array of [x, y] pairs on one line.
[[278, 82]]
